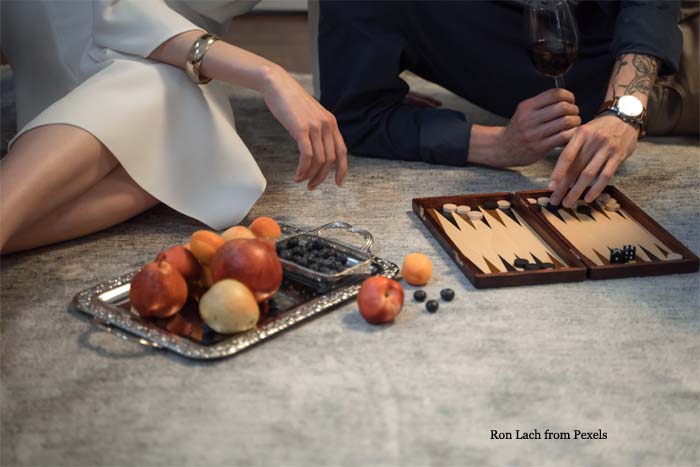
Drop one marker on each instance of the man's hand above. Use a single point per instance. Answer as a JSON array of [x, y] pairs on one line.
[[601, 145], [596, 150], [538, 125]]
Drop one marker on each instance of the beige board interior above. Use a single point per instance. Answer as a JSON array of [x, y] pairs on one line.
[[503, 239], [595, 234]]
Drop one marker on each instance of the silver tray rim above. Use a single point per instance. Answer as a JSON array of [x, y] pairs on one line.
[[149, 334]]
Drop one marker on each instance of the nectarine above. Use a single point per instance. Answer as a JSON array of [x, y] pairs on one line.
[[158, 290], [251, 261], [380, 299], [183, 260]]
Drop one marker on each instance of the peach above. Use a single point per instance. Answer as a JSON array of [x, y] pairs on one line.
[[204, 244], [228, 307], [158, 290], [237, 231], [417, 269], [266, 227]]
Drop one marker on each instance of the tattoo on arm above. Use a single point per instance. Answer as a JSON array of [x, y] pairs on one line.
[[633, 74]]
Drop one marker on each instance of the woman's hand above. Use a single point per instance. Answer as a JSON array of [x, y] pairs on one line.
[[315, 130]]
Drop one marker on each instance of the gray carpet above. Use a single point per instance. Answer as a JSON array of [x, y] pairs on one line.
[[620, 356]]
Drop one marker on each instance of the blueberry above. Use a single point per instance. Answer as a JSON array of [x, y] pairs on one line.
[[420, 296], [342, 258], [285, 254], [280, 247], [339, 266], [292, 242], [297, 259], [316, 244], [328, 262], [302, 260], [432, 306], [297, 251], [326, 252], [447, 294]]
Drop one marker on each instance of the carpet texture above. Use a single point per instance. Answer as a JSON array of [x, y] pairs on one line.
[[620, 355]]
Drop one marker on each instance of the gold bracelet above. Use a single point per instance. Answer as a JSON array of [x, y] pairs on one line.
[[196, 55]]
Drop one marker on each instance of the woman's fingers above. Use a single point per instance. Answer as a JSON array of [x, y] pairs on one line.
[[341, 153], [306, 155], [329, 156]]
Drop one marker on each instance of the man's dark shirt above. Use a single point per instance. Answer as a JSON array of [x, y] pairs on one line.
[[475, 49]]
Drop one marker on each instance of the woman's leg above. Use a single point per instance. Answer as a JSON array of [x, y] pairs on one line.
[[47, 167], [110, 201]]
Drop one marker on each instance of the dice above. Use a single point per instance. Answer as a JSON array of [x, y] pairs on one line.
[[616, 256], [629, 252]]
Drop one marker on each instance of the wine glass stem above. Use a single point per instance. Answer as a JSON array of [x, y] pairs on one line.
[[559, 81]]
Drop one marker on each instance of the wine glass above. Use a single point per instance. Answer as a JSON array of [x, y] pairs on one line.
[[552, 37]]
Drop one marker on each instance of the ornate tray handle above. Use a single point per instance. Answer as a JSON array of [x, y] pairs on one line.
[[364, 233]]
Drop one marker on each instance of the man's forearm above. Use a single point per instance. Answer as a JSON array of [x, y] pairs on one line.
[[633, 74]]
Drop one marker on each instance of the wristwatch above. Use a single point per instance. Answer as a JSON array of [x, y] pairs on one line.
[[628, 109]]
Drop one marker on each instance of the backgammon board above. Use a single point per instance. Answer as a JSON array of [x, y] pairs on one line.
[[509, 239]]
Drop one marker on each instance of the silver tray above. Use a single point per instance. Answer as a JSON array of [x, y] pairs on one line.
[[108, 304]]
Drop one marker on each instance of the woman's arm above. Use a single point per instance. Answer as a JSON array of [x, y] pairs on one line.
[[314, 128]]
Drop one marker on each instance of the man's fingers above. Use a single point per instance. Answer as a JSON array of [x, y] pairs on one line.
[[341, 153], [587, 174], [560, 139], [557, 126], [551, 96], [306, 155], [554, 111], [566, 158], [603, 179]]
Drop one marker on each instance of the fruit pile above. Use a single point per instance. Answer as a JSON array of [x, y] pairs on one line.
[[315, 254], [224, 277]]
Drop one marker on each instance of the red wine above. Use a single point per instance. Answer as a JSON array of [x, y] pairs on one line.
[[552, 57]]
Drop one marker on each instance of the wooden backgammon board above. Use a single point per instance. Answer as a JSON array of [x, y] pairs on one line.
[[510, 239]]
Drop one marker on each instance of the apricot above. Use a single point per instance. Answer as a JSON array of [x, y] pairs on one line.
[[204, 244], [229, 306], [237, 231], [266, 227], [417, 269]]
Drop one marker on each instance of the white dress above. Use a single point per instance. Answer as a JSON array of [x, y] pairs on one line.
[[84, 63]]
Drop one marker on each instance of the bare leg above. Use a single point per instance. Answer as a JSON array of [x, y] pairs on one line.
[[110, 201], [47, 167]]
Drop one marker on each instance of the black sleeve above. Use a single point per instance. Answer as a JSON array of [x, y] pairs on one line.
[[650, 27], [361, 53]]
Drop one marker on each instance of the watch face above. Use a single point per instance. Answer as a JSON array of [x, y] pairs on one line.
[[630, 106]]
